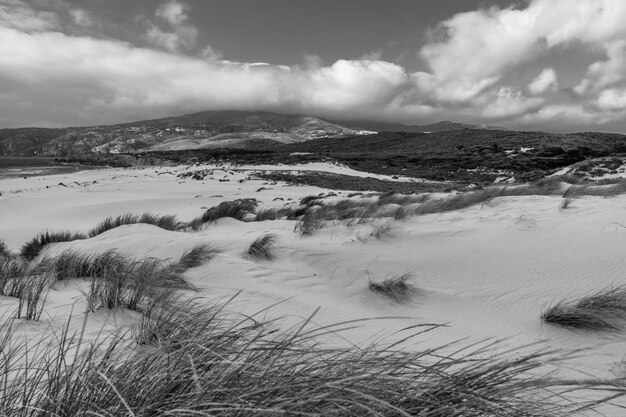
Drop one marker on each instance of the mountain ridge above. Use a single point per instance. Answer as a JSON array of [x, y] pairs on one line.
[[199, 130]]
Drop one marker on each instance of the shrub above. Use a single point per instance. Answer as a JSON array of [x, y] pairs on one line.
[[261, 248], [395, 288], [31, 249], [604, 310]]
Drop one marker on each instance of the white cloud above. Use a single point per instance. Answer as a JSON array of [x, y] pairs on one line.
[[20, 15], [82, 17], [603, 74], [180, 34], [476, 61], [481, 46], [612, 99], [103, 80], [545, 81]]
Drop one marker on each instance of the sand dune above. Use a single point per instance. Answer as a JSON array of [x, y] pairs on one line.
[[486, 272]]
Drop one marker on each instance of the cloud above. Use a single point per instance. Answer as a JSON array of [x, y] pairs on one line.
[[173, 12], [82, 18], [90, 80], [545, 81], [180, 34], [603, 74], [20, 15], [612, 99], [488, 65]]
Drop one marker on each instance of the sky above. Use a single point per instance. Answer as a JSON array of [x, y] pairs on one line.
[[554, 65]]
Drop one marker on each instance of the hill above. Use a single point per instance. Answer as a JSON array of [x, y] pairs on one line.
[[442, 126], [465, 156], [209, 129]]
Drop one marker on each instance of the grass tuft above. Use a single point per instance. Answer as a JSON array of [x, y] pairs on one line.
[[604, 310], [4, 250], [164, 222], [197, 255], [31, 249], [395, 288], [565, 203], [237, 209], [195, 359], [261, 248]]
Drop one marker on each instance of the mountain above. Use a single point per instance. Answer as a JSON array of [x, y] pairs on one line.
[[398, 127], [209, 129]]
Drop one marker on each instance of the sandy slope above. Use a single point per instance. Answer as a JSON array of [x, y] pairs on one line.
[[486, 272]]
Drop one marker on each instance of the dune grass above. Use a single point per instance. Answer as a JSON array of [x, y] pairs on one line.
[[565, 203], [190, 358], [4, 250], [197, 256], [166, 222], [236, 209], [261, 247], [397, 288], [29, 283], [31, 249], [603, 310]]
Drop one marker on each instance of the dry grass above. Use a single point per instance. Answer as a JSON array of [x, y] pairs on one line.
[[31, 249], [194, 360], [604, 310], [396, 288], [261, 247], [237, 209], [4, 250], [164, 222], [565, 203]]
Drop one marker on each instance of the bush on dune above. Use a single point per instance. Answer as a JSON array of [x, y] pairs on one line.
[[604, 310], [196, 361]]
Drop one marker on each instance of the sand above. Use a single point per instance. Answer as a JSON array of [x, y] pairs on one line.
[[485, 273]]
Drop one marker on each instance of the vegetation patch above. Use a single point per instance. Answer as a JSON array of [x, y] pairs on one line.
[[261, 248], [604, 310], [191, 358], [396, 288], [164, 222], [31, 249], [236, 209]]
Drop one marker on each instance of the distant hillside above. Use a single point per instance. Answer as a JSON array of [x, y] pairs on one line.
[[397, 127], [465, 156], [210, 129]]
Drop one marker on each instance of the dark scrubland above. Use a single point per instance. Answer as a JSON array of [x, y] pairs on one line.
[[461, 156]]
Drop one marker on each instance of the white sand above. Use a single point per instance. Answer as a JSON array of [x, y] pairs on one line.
[[485, 272]]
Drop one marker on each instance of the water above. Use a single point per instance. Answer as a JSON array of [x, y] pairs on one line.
[[12, 167]]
